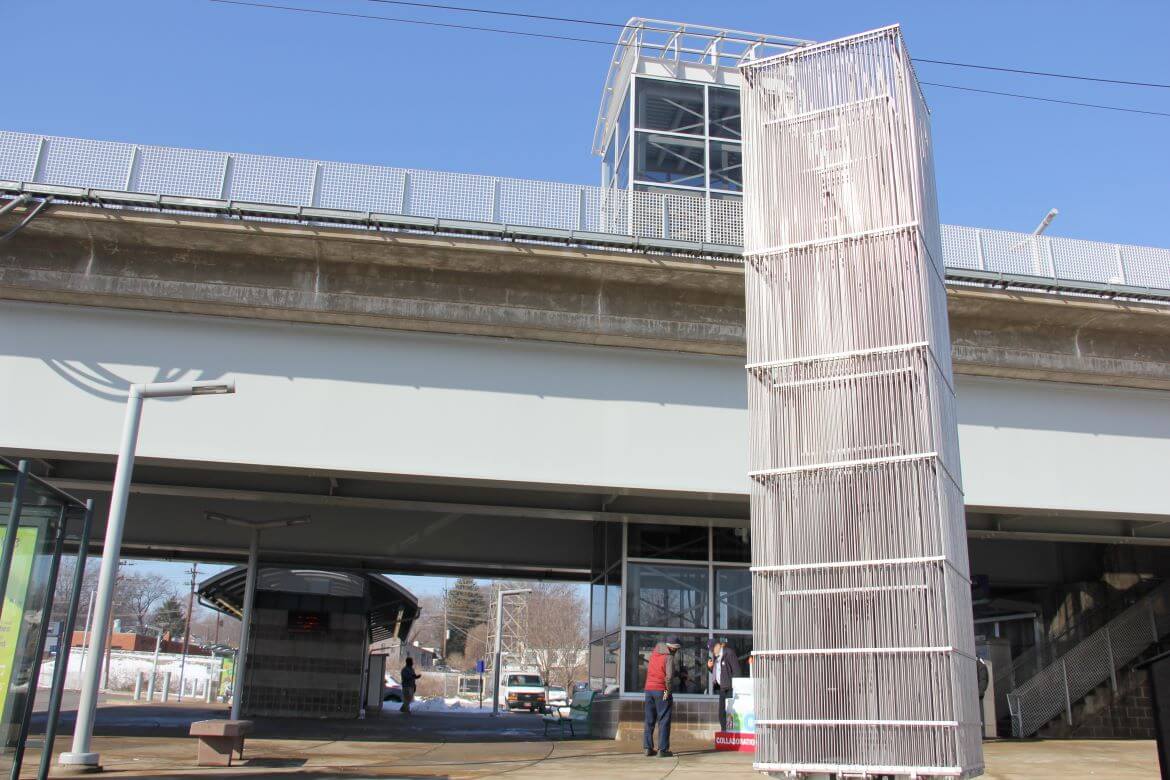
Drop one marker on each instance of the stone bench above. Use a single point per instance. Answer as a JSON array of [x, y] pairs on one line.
[[217, 740]]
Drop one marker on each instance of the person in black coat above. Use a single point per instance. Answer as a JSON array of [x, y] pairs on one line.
[[724, 666]]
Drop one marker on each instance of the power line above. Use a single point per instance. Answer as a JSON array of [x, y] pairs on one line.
[[736, 39], [1044, 73], [574, 39], [1047, 100], [375, 17]]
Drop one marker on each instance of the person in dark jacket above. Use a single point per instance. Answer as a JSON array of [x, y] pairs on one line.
[[409, 684], [724, 666], [659, 703]]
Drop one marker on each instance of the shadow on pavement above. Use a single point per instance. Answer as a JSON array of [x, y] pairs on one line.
[[174, 720]]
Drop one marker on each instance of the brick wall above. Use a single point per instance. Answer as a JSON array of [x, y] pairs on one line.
[[1128, 715]]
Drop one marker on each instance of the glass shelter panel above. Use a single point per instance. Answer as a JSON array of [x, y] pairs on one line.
[[27, 601], [668, 542], [670, 106], [726, 166], [733, 598], [613, 600], [667, 159], [667, 596], [597, 609], [690, 661], [723, 108], [732, 545]]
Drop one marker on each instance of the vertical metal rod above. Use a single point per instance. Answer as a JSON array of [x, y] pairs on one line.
[[39, 650], [246, 625], [187, 629], [979, 249], [1120, 264], [111, 552], [405, 198], [61, 668], [496, 198], [1067, 694], [9, 547], [154, 665], [166, 692], [1112, 665]]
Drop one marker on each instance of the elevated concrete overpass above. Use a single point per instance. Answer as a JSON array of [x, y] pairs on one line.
[[462, 404]]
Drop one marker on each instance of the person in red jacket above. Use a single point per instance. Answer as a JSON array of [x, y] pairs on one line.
[[659, 702]]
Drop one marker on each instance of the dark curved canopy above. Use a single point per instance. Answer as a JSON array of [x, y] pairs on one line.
[[392, 611]]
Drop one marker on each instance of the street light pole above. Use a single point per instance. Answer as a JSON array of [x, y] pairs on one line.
[[499, 644], [81, 756], [245, 624], [256, 527]]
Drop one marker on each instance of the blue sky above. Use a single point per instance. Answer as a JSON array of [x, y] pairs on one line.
[[195, 73]]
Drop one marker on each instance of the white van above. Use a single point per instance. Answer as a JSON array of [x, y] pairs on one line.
[[522, 691]]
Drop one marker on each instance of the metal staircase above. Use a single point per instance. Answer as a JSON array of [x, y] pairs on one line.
[[1089, 664]]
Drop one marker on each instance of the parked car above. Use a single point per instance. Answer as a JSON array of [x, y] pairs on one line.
[[520, 691], [392, 691]]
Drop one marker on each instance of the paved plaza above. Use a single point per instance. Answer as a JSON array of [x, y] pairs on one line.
[[151, 741]]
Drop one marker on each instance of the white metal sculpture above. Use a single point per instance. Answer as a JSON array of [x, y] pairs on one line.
[[864, 653]]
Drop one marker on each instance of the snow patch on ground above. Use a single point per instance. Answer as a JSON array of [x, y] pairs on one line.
[[453, 704]]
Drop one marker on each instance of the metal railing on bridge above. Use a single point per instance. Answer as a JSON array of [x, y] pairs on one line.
[[538, 210]]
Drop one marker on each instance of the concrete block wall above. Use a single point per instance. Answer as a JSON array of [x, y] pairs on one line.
[[694, 720], [305, 674]]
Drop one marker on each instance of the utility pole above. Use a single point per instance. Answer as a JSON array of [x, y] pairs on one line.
[[187, 631], [443, 634]]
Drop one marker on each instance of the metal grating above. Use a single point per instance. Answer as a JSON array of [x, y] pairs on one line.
[[864, 649], [160, 170]]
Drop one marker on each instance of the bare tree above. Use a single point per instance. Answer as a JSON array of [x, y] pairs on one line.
[[137, 594], [557, 636]]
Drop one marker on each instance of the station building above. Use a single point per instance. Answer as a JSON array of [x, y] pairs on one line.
[[505, 378]]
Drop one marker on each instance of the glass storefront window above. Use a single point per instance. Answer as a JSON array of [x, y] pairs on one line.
[[726, 166], [669, 105], [723, 106], [668, 159], [613, 600], [733, 545], [690, 661], [678, 542], [733, 598], [666, 596]]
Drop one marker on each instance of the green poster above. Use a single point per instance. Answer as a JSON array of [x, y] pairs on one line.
[[14, 599]]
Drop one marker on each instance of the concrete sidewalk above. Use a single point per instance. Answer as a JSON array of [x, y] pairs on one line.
[[438, 745]]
